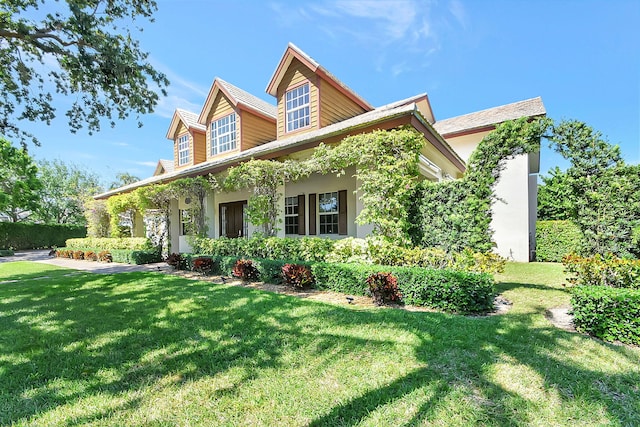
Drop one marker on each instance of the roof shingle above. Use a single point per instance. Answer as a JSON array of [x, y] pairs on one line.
[[481, 119]]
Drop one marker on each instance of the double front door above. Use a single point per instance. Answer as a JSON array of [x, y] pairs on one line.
[[233, 221]]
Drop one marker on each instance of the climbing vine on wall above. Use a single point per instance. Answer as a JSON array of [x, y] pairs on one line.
[[386, 165], [263, 177], [455, 215]]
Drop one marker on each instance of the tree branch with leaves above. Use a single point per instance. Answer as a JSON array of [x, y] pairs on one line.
[[88, 47]]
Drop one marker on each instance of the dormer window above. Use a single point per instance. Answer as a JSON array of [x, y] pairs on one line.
[[183, 150], [223, 134], [297, 108]]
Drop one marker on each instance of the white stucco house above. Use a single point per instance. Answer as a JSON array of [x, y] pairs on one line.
[[313, 106]]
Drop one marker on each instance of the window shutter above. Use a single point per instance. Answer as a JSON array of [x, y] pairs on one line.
[[312, 213], [301, 215], [342, 212]]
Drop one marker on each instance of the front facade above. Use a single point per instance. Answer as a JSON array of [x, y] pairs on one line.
[[312, 107]]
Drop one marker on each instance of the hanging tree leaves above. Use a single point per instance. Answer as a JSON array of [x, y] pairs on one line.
[[90, 53]]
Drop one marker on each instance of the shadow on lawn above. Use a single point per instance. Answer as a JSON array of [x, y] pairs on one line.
[[117, 334]]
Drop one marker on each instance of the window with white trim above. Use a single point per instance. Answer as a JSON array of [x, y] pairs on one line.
[[329, 213], [298, 108], [223, 134], [183, 150], [291, 215]]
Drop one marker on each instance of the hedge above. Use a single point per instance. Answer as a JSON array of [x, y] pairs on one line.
[[446, 290], [109, 243], [124, 256], [19, 235], [611, 314], [555, 239], [602, 271], [270, 270]]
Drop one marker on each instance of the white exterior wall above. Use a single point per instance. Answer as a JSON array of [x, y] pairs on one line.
[[511, 220]]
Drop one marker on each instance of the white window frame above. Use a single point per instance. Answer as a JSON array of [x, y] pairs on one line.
[[223, 134], [298, 107], [183, 149], [331, 217], [186, 221], [291, 211]]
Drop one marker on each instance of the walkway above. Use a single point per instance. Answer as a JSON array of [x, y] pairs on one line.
[[42, 256]]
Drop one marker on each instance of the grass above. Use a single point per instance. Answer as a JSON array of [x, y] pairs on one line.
[[150, 349]]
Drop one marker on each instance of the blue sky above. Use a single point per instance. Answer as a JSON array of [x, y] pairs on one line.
[[582, 58]]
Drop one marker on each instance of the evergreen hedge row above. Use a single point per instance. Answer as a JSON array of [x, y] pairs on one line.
[[19, 235], [447, 290], [611, 314], [555, 239]]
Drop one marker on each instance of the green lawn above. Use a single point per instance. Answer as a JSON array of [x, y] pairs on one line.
[[151, 349]]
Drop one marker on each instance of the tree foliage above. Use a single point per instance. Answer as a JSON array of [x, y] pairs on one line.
[[122, 179], [602, 193], [88, 49], [554, 196], [65, 189], [19, 183]]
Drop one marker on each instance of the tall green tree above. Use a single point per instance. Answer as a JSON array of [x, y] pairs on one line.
[[122, 179], [19, 183], [65, 189], [554, 196], [89, 50], [604, 193]]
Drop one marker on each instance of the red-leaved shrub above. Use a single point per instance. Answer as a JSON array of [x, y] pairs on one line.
[[298, 276], [383, 288], [246, 270]]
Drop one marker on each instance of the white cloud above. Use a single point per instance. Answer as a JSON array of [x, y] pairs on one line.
[[391, 29], [147, 163]]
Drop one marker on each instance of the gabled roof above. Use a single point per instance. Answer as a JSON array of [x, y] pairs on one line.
[[189, 119], [164, 166], [292, 52], [239, 98], [490, 117], [379, 116]]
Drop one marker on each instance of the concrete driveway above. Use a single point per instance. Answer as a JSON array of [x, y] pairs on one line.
[[42, 256]]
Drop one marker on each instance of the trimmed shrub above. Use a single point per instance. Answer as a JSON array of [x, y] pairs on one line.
[[176, 261], [6, 252], [611, 314], [298, 276], [447, 290], [90, 256], [246, 270], [383, 288], [105, 256], [106, 243], [19, 235], [555, 239], [203, 265], [270, 270], [603, 271], [78, 255]]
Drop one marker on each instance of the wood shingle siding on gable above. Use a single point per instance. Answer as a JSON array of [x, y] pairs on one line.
[[255, 130], [199, 147], [297, 74], [335, 106]]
